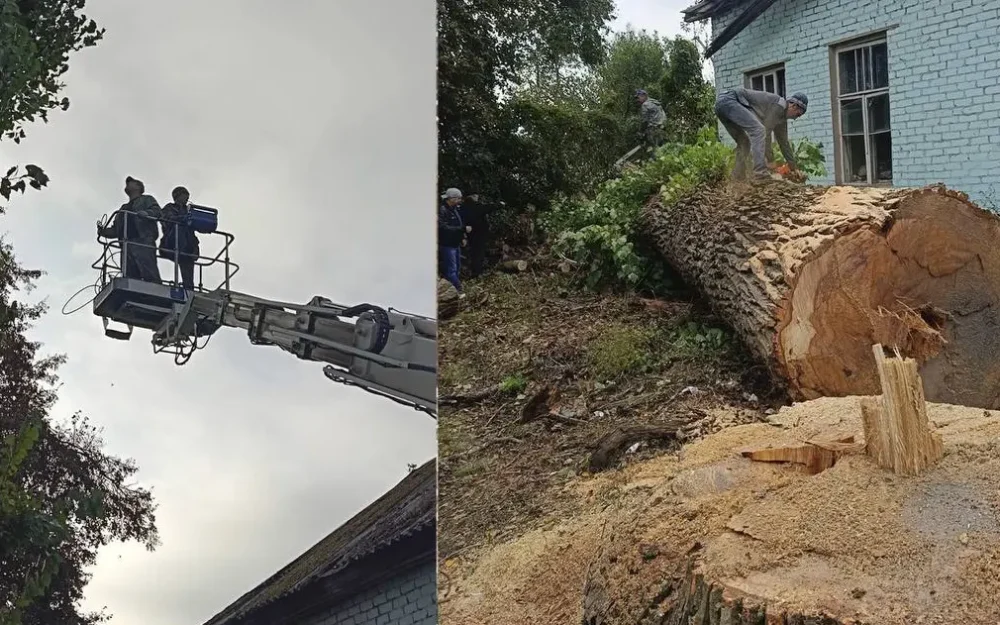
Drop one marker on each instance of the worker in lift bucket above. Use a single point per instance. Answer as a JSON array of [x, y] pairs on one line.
[[135, 227], [750, 117], [179, 243]]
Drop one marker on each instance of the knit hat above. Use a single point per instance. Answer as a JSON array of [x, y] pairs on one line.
[[800, 100]]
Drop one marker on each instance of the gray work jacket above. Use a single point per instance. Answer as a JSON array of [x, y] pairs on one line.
[[772, 111]]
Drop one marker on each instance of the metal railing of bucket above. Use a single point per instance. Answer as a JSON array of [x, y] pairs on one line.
[[115, 249]]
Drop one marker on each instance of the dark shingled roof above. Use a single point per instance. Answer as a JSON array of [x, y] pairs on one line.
[[404, 510], [707, 9]]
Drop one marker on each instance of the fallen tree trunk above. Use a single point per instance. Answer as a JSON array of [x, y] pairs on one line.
[[811, 277]]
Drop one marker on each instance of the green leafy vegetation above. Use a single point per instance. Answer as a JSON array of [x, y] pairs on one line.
[[809, 156], [513, 384], [694, 339], [605, 236]]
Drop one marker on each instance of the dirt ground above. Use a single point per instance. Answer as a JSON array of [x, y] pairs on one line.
[[524, 531], [609, 361]]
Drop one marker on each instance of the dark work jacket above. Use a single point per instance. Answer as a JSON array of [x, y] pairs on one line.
[[187, 240], [141, 224], [450, 226], [476, 214]]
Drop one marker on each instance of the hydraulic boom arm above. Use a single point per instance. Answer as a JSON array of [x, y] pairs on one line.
[[384, 352]]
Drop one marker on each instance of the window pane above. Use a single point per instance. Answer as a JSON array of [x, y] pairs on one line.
[[865, 61], [880, 60], [769, 83], [757, 83], [781, 82], [848, 73], [852, 120], [881, 151], [855, 166], [878, 113]]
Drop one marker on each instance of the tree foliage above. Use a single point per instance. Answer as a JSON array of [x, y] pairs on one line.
[[537, 105], [486, 50], [36, 40], [61, 497]]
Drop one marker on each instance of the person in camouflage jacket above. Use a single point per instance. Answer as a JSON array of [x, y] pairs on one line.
[[652, 117]]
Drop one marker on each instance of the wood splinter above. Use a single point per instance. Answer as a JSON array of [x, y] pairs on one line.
[[897, 433], [815, 456]]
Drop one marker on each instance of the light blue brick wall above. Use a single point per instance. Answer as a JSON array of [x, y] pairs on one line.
[[409, 599], [944, 79]]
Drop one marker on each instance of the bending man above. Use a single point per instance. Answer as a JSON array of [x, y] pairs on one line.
[[750, 117]]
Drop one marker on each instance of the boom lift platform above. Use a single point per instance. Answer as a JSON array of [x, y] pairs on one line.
[[385, 352]]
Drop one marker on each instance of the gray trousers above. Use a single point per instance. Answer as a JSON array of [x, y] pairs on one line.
[[140, 262], [748, 132]]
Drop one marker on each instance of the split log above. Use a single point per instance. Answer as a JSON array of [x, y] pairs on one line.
[[448, 303], [897, 435], [810, 277], [513, 266]]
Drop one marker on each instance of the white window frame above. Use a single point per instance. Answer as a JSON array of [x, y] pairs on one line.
[[872, 175], [762, 73]]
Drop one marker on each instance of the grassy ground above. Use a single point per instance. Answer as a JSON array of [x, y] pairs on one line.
[[607, 361]]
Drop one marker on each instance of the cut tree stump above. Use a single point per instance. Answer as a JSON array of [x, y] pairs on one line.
[[897, 434], [448, 303], [690, 599], [810, 277]]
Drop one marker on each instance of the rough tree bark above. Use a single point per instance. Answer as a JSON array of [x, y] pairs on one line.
[[811, 277], [692, 600]]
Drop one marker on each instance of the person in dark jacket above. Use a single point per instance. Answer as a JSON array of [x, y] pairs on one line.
[[750, 117], [180, 243], [134, 225], [475, 216], [451, 232]]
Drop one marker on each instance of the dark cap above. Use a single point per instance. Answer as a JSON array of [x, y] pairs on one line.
[[142, 187], [640, 92]]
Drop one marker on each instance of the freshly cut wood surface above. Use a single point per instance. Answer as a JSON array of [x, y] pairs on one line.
[[810, 277], [897, 434]]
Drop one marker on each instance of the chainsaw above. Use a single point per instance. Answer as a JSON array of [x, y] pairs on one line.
[[785, 171]]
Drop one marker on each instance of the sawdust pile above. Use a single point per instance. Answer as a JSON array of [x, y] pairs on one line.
[[853, 541]]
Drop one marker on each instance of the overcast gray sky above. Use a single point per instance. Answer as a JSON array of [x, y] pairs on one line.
[[663, 16], [310, 125]]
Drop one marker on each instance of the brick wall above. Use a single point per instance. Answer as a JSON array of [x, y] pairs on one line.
[[944, 79], [409, 599]]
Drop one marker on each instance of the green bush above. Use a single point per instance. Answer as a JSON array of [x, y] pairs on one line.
[[604, 234], [809, 156]]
